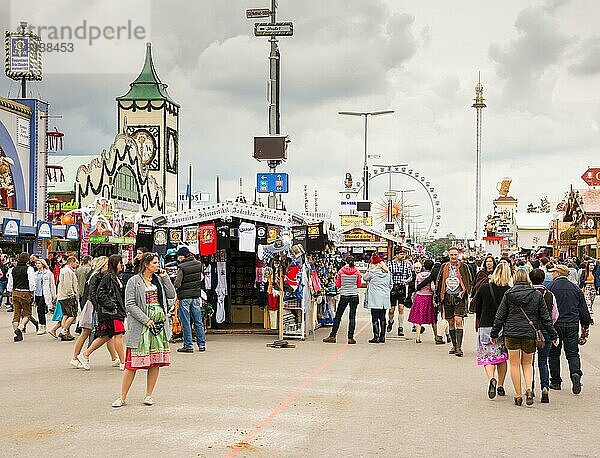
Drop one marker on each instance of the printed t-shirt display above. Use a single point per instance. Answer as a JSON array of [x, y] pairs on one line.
[[223, 239], [247, 237], [207, 235]]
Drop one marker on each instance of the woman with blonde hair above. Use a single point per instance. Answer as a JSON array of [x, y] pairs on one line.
[[522, 312], [377, 297], [492, 356], [88, 318], [45, 293]]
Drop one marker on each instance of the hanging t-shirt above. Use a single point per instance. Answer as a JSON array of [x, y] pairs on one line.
[[272, 233], [175, 238], [160, 240], [207, 235], [261, 234], [247, 236], [315, 240], [299, 236], [223, 240]]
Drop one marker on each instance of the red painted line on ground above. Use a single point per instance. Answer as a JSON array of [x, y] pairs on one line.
[[267, 421]]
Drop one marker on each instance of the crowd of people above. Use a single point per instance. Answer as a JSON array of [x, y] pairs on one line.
[[109, 302], [521, 307]]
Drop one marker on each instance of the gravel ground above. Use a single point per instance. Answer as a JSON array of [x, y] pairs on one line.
[[397, 399]]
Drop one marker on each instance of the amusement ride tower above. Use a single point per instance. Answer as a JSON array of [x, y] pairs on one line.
[[479, 105]]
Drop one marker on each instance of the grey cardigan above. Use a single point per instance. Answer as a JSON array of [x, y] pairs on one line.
[[135, 304]]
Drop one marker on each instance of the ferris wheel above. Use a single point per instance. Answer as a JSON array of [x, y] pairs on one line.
[[383, 170]]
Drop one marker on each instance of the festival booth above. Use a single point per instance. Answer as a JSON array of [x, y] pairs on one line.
[[362, 241], [261, 266]]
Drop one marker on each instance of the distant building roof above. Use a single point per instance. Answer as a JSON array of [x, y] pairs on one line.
[[148, 85], [533, 220], [591, 200], [70, 164], [505, 199]]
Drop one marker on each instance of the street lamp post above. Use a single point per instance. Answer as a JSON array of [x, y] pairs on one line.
[[366, 115]]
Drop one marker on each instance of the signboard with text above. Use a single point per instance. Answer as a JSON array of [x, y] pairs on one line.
[[592, 176], [23, 56], [266, 29], [272, 182], [257, 12]]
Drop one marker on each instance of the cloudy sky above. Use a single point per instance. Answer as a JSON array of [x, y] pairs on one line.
[[539, 64]]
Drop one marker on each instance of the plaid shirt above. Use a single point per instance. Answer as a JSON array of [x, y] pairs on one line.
[[401, 271]]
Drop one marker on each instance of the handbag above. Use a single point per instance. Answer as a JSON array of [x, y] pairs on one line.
[[156, 328], [540, 341]]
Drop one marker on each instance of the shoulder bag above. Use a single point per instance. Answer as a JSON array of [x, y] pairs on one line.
[[540, 341]]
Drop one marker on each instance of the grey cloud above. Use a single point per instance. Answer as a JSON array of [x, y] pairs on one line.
[[402, 44], [588, 58], [523, 62]]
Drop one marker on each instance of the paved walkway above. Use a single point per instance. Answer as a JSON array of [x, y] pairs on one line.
[[397, 399]]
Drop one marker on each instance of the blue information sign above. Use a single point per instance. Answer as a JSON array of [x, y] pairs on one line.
[[272, 182]]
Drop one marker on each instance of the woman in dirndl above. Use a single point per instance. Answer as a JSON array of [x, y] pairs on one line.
[[146, 300], [587, 286], [492, 356], [422, 311]]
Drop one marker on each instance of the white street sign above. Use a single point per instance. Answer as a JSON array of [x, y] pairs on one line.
[[265, 29], [258, 12]]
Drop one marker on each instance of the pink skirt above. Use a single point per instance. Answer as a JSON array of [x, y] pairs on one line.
[[163, 360], [422, 311]]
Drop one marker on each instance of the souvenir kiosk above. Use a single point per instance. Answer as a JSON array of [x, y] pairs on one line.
[[255, 263]]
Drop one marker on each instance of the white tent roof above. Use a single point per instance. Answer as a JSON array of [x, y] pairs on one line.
[[533, 220]]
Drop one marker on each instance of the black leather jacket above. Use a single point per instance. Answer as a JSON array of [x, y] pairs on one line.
[[111, 298]]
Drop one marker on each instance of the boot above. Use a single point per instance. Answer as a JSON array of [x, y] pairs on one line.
[[453, 338], [382, 335], [390, 325], [41, 330], [375, 338], [459, 339]]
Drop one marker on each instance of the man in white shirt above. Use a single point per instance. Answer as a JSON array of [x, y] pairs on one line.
[[67, 294]]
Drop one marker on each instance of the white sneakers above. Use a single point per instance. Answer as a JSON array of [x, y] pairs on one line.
[[119, 402], [41, 330], [121, 367], [116, 362], [75, 364], [85, 362]]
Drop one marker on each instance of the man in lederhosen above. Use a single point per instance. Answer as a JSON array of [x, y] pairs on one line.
[[452, 287]]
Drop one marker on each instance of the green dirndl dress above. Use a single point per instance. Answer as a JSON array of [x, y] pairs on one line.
[[153, 351]]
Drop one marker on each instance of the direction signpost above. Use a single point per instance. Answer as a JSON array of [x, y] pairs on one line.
[[272, 182], [272, 30], [592, 176]]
